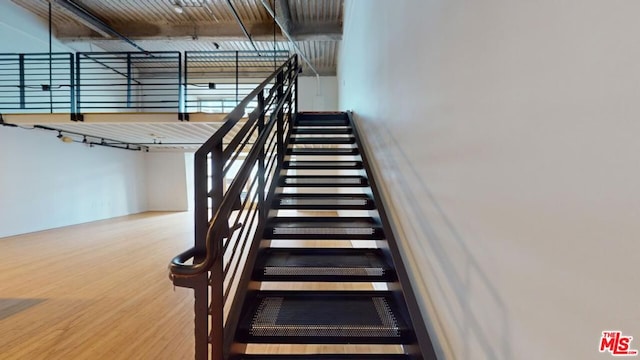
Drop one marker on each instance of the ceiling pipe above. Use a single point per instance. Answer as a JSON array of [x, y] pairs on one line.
[[244, 29], [93, 22], [288, 36]]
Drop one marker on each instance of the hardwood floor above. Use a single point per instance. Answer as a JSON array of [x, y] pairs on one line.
[[96, 291], [101, 291]]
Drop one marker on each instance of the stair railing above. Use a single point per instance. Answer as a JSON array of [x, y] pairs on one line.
[[227, 222]]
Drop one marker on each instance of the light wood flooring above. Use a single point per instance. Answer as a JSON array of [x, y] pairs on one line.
[[101, 291]]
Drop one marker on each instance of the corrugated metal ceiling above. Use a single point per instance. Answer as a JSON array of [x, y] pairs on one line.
[[156, 26]]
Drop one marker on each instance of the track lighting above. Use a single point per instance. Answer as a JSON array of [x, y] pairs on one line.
[[85, 138]]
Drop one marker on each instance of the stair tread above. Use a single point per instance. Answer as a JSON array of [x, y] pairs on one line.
[[323, 228], [340, 130], [323, 181], [323, 151], [323, 357], [322, 264], [322, 122], [322, 140], [321, 317], [324, 164], [324, 221], [323, 201]]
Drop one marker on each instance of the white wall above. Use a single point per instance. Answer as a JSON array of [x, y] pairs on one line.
[[23, 32], [166, 181], [45, 183], [506, 133], [318, 96]]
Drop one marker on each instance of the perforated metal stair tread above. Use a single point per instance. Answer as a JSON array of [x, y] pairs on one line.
[[366, 228], [335, 130], [324, 357], [323, 181], [323, 201], [326, 151], [322, 264], [321, 122], [323, 317], [307, 164], [322, 140]]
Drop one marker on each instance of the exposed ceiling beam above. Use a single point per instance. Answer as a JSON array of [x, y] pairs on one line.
[[82, 17], [219, 31], [283, 14], [310, 32], [94, 22]]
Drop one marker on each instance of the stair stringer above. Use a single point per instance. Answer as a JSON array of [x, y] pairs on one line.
[[423, 348]]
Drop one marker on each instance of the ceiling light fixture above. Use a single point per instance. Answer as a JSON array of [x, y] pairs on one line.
[[177, 7]]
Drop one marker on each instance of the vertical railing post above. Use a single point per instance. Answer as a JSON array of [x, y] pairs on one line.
[[201, 309], [186, 80], [201, 282], [261, 167], [23, 99], [216, 194], [128, 80], [280, 124], [50, 89], [78, 85], [72, 86], [237, 80], [217, 309], [295, 64], [201, 212], [291, 74], [217, 176], [180, 94]]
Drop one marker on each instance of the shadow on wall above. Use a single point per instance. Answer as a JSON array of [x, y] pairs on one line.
[[459, 298]]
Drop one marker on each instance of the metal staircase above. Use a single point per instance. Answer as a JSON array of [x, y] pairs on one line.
[[318, 189]]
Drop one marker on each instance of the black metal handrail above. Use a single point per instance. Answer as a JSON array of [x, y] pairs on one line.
[[178, 265], [227, 221]]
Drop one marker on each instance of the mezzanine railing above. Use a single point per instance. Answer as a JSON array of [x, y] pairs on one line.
[[105, 82]]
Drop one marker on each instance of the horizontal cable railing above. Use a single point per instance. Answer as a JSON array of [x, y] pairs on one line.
[[225, 235], [99, 82]]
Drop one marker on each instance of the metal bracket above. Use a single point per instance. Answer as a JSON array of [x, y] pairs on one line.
[[183, 116]]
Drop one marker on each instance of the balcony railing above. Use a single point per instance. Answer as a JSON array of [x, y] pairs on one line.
[[106, 82]]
